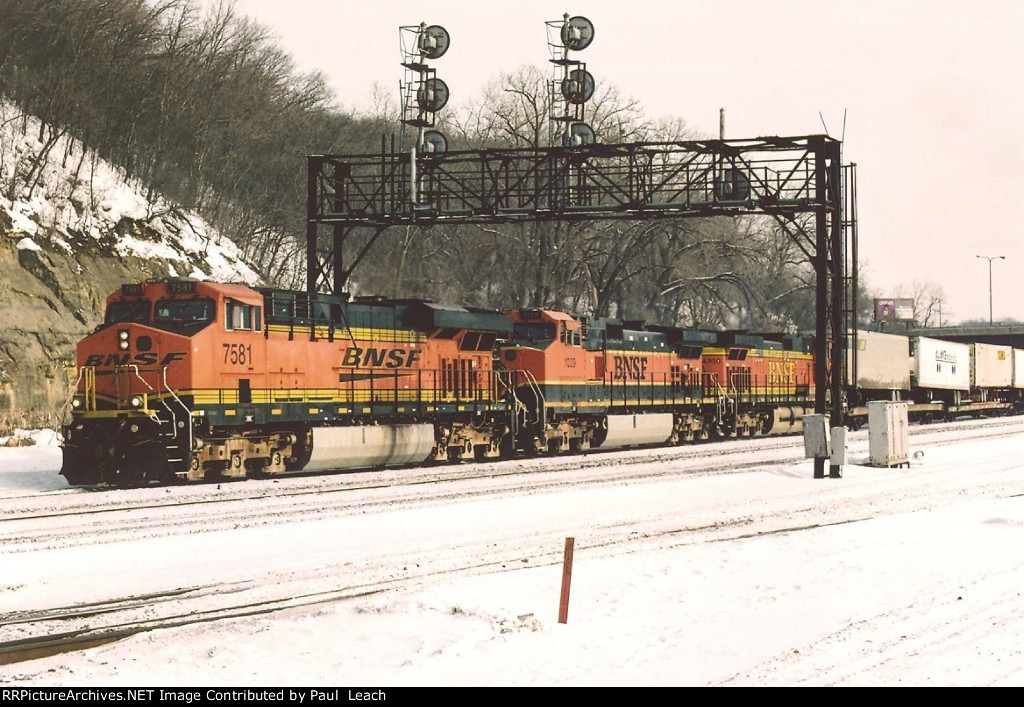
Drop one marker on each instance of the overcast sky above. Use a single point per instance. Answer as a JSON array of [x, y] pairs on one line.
[[928, 96]]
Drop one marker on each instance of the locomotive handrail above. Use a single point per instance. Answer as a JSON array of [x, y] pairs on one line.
[[721, 397], [170, 390], [89, 394], [736, 384], [145, 400], [432, 385], [506, 379], [531, 380]]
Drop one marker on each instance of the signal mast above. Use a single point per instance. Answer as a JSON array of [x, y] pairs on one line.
[[572, 85], [423, 93]]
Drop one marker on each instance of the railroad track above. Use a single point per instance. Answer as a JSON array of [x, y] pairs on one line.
[[25, 635], [42, 642], [28, 635], [142, 512]]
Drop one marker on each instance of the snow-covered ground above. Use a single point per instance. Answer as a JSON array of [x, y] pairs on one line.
[[712, 565]]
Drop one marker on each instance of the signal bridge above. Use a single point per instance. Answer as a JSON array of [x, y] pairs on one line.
[[799, 181]]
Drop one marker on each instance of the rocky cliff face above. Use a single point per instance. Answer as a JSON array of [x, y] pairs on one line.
[[69, 236], [49, 299]]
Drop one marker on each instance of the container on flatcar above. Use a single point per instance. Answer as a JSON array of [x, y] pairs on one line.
[[883, 362], [941, 365], [991, 366]]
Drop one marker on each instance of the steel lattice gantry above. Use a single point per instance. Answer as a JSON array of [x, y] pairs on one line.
[[799, 181]]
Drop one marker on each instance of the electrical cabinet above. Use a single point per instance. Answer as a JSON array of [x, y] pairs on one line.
[[888, 433]]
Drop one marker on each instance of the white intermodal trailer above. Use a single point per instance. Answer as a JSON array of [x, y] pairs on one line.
[[879, 369], [883, 364], [991, 367], [991, 379], [969, 379], [941, 365], [941, 376]]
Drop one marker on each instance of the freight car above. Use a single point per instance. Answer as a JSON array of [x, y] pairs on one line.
[[187, 380], [939, 379]]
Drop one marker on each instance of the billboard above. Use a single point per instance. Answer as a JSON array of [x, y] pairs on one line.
[[894, 310]]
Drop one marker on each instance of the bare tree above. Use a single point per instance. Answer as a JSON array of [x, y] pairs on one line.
[[928, 298]]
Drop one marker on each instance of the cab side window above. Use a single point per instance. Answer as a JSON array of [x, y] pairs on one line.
[[243, 317]]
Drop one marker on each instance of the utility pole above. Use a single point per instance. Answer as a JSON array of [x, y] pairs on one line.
[[990, 258]]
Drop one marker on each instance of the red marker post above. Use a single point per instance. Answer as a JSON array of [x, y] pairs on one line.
[[563, 607]]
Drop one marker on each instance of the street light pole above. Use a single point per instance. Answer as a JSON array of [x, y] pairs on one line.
[[990, 258]]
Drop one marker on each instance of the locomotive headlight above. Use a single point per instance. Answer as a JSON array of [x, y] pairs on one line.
[[76, 403], [122, 340], [136, 401]]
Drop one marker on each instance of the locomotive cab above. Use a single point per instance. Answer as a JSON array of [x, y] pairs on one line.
[[138, 375], [589, 382], [548, 346]]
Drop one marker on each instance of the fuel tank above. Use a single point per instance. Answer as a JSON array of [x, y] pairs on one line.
[[369, 446], [787, 420], [632, 430]]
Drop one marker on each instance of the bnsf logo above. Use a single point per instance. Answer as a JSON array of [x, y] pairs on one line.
[[633, 368], [783, 372], [371, 357], [148, 358]]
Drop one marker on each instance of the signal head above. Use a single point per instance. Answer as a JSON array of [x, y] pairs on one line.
[[577, 33]]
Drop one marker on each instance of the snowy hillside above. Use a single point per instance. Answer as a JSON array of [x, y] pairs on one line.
[[58, 194], [72, 230]]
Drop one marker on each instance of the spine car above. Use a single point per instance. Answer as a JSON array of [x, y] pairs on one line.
[[189, 380]]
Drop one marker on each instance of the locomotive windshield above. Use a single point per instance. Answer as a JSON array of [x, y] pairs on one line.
[[119, 312], [180, 313], [534, 332]]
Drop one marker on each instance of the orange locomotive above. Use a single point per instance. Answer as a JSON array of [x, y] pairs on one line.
[[190, 380], [764, 387], [187, 380], [584, 383]]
